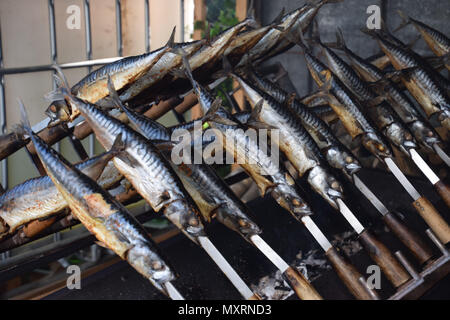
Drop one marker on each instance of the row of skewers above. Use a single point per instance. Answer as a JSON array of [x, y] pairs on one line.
[[370, 103]]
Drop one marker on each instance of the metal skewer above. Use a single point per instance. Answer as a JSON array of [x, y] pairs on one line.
[[172, 291], [348, 274], [441, 154], [409, 238], [227, 269]]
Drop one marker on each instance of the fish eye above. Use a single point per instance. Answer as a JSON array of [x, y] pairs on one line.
[[53, 108], [243, 223], [193, 222]]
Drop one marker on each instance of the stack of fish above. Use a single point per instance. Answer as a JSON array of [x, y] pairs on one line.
[[370, 103]]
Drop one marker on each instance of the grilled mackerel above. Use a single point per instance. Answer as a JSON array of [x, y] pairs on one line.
[[336, 154], [347, 107], [38, 198], [102, 215], [420, 80], [295, 143], [144, 167], [402, 105], [381, 112]]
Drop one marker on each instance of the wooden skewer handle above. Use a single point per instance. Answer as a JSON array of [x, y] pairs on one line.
[[444, 192], [255, 297], [390, 266], [301, 286], [409, 238], [432, 217], [348, 274]]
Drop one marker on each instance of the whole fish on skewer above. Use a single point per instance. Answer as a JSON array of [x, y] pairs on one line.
[[151, 175], [94, 86], [347, 107], [296, 143], [336, 154], [422, 131], [275, 115], [271, 177], [105, 217], [38, 198], [380, 112], [214, 198], [438, 42], [420, 80]]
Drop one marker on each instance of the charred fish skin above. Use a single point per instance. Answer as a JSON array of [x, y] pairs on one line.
[[382, 115], [103, 216], [296, 143], [422, 131], [146, 169], [336, 154], [38, 198], [348, 109], [421, 81]]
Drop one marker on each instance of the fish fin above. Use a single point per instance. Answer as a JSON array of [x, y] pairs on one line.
[[254, 122], [62, 87], [405, 21], [278, 20], [102, 244], [208, 35], [227, 69], [163, 145], [118, 145], [340, 42], [212, 116], [376, 101], [403, 73], [171, 42], [25, 121], [113, 94]]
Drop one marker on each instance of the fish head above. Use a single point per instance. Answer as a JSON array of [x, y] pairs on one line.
[[324, 183], [150, 265], [400, 137], [289, 199], [58, 111], [236, 220], [185, 216], [373, 143], [342, 159], [426, 136]]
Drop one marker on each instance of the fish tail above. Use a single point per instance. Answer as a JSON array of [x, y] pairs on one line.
[[25, 125], [405, 20], [340, 42], [118, 145], [114, 96], [62, 87]]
